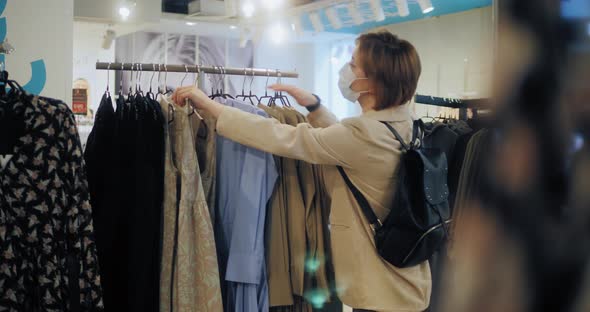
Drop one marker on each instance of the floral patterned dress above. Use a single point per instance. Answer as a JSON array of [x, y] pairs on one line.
[[48, 259]]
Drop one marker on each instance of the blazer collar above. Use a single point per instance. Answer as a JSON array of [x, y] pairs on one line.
[[399, 113]]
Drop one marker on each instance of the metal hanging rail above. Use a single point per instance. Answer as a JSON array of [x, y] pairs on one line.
[[219, 70]]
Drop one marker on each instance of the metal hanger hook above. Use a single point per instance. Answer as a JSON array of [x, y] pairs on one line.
[[198, 71], [251, 81], [185, 75], [152, 79], [165, 77], [267, 78], [121, 81], [108, 76], [244, 82]]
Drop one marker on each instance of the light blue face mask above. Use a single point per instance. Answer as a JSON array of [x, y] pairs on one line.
[[347, 78]]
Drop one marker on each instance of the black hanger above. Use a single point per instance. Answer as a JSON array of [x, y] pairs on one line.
[[427, 117], [243, 94], [12, 125], [266, 96], [218, 92]]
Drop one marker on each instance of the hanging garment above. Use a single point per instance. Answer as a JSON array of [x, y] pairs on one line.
[[317, 260], [296, 216], [471, 174], [125, 155], [315, 285], [277, 236], [364, 279], [245, 180], [49, 259], [205, 144], [190, 273], [100, 156], [440, 136]]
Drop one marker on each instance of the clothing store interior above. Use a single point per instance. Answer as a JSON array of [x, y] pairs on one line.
[[294, 155]]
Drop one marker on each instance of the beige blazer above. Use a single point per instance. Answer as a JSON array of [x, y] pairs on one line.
[[370, 155]]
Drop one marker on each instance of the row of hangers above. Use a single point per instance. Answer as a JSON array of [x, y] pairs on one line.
[[217, 89], [163, 92]]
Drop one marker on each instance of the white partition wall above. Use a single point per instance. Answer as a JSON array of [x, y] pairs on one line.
[[42, 34]]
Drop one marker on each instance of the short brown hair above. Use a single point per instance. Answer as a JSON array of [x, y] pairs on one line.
[[392, 64]]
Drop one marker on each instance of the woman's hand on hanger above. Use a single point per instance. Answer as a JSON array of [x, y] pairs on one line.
[[198, 99], [302, 97]]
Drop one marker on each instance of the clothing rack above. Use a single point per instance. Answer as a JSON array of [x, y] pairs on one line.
[[460, 104], [219, 70]]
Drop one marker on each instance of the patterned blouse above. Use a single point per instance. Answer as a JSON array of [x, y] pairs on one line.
[[48, 259]]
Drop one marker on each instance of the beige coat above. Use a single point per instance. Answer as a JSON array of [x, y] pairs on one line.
[[370, 155]]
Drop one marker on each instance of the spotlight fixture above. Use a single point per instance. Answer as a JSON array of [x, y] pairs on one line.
[[108, 39], [426, 6], [377, 9], [333, 18], [354, 12], [248, 9], [316, 22], [402, 7]]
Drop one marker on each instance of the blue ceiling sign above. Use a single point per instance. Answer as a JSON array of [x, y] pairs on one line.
[[441, 7]]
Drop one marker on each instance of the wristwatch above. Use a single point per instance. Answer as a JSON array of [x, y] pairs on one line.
[[314, 107]]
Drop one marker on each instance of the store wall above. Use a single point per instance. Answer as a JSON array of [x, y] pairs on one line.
[[456, 52], [42, 34]]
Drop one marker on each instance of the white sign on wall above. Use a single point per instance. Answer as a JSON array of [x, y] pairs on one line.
[[41, 32]]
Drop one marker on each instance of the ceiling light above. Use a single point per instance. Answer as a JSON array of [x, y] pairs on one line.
[[278, 33], [124, 12], [333, 18], [426, 6], [233, 26], [248, 9], [191, 23], [355, 14], [316, 22], [377, 9], [402, 7]]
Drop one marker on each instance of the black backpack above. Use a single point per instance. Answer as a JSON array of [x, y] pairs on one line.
[[417, 225]]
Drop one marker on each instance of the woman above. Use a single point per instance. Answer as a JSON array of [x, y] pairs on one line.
[[382, 77]]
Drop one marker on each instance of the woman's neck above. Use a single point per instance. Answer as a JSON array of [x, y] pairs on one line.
[[367, 102]]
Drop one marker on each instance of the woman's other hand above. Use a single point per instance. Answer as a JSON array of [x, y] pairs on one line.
[[192, 93], [302, 97], [197, 99]]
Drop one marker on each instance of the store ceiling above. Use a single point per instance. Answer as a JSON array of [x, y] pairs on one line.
[[441, 7]]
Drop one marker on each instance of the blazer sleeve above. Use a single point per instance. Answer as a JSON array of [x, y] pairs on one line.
[[338, 144], [321, 118]]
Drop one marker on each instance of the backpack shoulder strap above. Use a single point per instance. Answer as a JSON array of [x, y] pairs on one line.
[[397, 135], [362, 201]]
